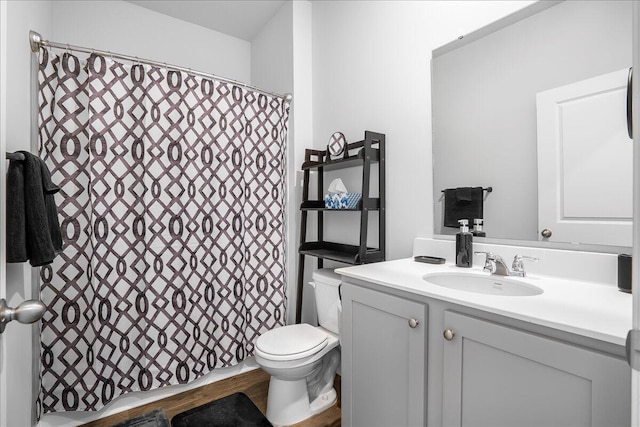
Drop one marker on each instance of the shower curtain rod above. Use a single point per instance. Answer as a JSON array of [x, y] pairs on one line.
[[36, 41]]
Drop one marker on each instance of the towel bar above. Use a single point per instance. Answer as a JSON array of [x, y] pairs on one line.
[[15, 156], [488, 190]]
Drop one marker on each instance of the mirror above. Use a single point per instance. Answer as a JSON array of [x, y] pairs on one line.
[[520, 106]]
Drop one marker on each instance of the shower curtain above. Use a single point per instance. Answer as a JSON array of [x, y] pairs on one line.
[[172, 214]]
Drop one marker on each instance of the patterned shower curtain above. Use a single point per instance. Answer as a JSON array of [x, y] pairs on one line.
[[172, 214]]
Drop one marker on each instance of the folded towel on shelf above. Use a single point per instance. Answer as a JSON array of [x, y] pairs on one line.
[[462, 203], [342, 200], [32, 211]]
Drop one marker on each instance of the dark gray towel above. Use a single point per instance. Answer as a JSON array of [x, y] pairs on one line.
[[462, 203], [39, 244], [50, 189], [39, 226], [16, 228]]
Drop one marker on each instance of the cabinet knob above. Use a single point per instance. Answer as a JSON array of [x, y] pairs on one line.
[[448, 334], [413, 323], [546, 233]]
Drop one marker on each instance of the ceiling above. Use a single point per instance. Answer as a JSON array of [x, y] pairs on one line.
[[240, 18]]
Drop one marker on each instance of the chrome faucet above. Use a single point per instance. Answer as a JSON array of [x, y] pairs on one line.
[[495, 264], [517, 268]]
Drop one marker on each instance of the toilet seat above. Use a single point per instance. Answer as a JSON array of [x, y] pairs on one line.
[[291, 342]]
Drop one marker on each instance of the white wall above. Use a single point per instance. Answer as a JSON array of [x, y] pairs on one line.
[[122, 27], [302, 78], [272, 53], [371, 71]]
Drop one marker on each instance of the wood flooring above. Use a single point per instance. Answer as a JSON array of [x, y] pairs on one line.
[[254, 384]]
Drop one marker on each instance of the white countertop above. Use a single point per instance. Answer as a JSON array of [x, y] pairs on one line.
[[595, 310]]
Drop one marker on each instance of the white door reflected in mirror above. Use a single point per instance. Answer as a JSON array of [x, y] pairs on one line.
[[585, 172]]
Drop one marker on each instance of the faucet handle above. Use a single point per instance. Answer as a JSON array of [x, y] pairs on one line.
[[517, 268], [489, 262]]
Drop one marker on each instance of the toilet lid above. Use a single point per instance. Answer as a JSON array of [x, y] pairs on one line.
[[291, 342]]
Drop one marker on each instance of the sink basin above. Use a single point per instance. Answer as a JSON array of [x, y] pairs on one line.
[[481, 284]]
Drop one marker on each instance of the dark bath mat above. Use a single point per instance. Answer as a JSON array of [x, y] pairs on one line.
[[156, 418], [235, 410]]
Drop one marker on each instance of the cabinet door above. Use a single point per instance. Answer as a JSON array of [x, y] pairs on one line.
[[383, 359], [499, 376]]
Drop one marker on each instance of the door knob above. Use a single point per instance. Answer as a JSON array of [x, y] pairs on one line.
[[413, 323], [546, 233], [27, 312], [448, 334]]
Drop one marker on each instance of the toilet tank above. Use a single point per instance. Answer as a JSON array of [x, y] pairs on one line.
[[326, 283]]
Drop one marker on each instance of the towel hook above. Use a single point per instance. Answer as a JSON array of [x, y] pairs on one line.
[[15, 156]]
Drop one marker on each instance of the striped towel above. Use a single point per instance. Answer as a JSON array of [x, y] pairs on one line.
[[342, 200]]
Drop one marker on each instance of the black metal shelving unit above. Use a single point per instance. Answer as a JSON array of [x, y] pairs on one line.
[[361, 153]]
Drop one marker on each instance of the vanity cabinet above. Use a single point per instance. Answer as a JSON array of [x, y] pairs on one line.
[[410, 360], [498, 376], [383, 359]]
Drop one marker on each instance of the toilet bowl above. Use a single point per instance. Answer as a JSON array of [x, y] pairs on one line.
[[302, 359]]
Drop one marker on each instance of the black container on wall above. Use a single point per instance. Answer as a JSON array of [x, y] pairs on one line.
[[624, 272]]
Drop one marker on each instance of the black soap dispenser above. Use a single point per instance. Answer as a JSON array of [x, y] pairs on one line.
[[464, 242], [477, 228]]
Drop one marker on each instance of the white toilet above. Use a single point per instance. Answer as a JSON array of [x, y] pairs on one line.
[[302, 359]]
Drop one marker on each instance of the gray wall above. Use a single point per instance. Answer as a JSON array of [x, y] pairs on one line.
[[484, 104]]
